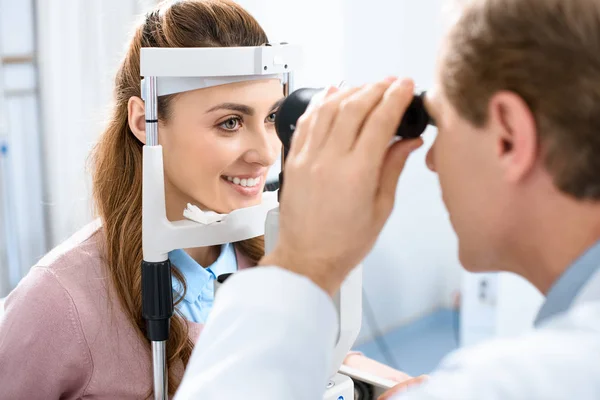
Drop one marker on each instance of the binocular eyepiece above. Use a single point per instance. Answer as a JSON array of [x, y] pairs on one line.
[[414, 122]]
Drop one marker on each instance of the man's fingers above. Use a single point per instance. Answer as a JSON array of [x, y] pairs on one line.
[[315, 129], [401, 387], [352, 115], [382, 124], [392, 167], [300, 135]]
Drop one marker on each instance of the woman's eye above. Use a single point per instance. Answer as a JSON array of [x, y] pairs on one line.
[[271, 118], [231, 124]]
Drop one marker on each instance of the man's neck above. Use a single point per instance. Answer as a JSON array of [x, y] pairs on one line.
[[555, 235]]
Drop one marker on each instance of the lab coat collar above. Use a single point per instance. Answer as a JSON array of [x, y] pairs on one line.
[[571, 284]]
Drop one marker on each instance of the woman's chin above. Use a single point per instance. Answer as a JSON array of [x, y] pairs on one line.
[[236, 204], [245, 203]]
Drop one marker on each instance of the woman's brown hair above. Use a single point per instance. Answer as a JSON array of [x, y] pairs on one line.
[[117, 158]]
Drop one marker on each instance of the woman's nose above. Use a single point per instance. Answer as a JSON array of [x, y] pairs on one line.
[[264, 148]]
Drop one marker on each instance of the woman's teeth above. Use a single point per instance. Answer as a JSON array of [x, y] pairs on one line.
[[250, 182]]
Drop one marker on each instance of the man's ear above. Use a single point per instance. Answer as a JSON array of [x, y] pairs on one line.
[[136, 114], [514, 125]]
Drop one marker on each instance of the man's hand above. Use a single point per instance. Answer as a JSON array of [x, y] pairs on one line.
[[366, 364], [402, 387], [340, 181]]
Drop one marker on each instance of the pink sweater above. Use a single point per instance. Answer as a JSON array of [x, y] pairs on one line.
[[64, 334]]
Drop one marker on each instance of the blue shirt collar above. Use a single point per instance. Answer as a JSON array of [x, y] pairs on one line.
[[196, 276], [564, 291]]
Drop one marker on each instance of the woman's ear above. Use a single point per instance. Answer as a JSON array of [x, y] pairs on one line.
[[136, 114]]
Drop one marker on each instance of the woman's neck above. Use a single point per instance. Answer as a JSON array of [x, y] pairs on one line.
[[205, 256]]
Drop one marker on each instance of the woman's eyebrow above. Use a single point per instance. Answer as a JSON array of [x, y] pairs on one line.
[[241, 108], [277, 103]]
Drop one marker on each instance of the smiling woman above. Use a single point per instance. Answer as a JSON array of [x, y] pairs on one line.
[[75, 321], [218, 144], [74, 327]]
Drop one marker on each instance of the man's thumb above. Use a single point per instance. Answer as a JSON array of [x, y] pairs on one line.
[[392, 167]]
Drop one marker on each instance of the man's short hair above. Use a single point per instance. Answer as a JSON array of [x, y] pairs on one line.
[[547, 52]]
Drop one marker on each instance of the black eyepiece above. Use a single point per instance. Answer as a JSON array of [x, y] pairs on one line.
[[415, 120]]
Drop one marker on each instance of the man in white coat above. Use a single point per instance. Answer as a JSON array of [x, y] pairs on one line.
[[517, 106]]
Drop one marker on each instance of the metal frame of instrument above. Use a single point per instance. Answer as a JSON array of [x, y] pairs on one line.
[[173, 70]]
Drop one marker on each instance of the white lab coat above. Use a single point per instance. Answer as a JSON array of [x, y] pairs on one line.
[[271, 334]]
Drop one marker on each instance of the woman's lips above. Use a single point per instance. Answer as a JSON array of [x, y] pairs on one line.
[[247, 191]]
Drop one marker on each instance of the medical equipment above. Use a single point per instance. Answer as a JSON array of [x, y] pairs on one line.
[[415, 120], [173, 70]]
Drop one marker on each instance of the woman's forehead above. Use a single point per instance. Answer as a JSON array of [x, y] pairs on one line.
[[258, 93]]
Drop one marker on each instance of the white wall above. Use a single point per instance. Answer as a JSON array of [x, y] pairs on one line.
[[80, 45]]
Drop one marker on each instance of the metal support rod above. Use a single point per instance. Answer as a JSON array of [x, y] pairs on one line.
[[158, 305], [286, 84], [157, 309], [290, 82], [288, 87], [286, 92], [161, 383], [151, 111]]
